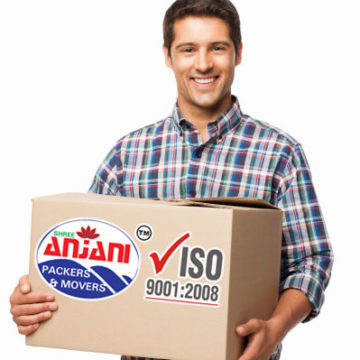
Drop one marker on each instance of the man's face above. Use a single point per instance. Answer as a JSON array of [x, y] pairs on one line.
[[203, 59]]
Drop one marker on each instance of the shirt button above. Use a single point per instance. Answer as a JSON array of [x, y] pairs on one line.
[[198, 153], [192, 193]]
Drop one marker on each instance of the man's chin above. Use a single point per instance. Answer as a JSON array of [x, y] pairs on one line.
[[209, 103]]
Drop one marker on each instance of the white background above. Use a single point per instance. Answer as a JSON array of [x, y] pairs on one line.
[[77, 75]]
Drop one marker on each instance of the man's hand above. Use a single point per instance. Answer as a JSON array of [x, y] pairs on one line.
[[263, 336], [262, 339], [30, 309]]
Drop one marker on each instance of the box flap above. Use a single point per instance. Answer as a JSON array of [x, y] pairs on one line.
[[99, 198], [235, 202], [222, 202]]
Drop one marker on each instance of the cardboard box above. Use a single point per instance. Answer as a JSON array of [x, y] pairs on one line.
[[152, 278]]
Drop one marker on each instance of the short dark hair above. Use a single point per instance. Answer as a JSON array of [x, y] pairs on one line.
[[223, 9]]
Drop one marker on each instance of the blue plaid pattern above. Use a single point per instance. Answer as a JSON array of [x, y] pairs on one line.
[[243, 157]]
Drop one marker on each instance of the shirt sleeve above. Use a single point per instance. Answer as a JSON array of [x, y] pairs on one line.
[[108, 176], [307, 255]]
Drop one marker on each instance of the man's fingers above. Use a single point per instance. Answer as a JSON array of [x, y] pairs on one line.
[[24, 284], [31, 298], [27, 320], [26, 330], [32, 309], [248, 328], [29, 309]]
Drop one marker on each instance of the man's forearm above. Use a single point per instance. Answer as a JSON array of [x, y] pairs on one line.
[[292, 308]]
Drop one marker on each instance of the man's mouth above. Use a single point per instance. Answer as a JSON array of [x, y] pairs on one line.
[[205, 80]]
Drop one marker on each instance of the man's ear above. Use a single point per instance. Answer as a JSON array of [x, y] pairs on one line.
[[168, 61], [239, 54]]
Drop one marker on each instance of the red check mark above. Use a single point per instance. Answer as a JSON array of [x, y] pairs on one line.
[[159, 264]]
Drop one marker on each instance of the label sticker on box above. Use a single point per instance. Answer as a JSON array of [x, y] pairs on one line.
[[203, 267], [87, 259]]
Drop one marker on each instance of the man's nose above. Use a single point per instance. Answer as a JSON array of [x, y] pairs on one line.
[[204, 61]]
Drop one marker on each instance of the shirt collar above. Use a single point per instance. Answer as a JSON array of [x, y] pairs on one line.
[[226, 122]]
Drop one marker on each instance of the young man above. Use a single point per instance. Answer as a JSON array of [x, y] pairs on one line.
[[208, 148]]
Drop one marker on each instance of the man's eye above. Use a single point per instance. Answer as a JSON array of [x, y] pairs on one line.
[[188, 50], [218, 48]]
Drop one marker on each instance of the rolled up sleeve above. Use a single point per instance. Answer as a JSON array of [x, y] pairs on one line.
[[307, 255]]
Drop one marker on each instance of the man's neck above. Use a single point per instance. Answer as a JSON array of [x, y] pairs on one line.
[[200, 117]]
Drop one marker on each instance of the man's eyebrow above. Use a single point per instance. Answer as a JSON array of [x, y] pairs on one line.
[[214, 43], [184, 44], [224, 43]]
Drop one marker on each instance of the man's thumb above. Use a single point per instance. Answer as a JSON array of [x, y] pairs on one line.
[[248, 328], [24, 284]]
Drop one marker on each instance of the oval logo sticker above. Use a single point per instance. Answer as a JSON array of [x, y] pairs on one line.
[[87, 259]]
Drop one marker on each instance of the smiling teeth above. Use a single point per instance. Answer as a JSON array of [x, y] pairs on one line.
[[205, 81]]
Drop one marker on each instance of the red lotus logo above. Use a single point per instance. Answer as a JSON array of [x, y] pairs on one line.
[[88, 233]]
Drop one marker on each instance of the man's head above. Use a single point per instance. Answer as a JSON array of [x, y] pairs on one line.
[[202, 45], [222, 9]]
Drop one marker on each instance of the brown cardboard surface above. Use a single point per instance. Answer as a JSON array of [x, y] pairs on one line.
[[248, 233]]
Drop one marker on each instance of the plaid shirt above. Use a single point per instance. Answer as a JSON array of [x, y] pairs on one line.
[[242, 158]]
